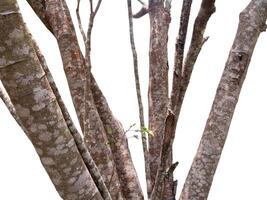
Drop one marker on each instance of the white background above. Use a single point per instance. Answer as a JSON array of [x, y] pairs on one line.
[[241, 174]]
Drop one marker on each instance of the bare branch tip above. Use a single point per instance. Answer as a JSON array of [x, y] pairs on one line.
[[144, 10]]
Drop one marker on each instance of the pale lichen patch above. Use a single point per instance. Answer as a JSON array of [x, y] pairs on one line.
[[45, 137], [47, 161], [23, 112], [16, 34]]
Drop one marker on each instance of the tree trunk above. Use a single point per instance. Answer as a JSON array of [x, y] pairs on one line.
[[38, 110], [158, 81], [199, 179]]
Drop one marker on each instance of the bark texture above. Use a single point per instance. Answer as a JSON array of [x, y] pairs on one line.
[[139, 98], [158, 81], [87, 158], [38, 110], [121, 155], [199, 179], [118, 142]]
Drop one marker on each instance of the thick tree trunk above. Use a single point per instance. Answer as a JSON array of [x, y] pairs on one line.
[[38, 110], [124, 167], [199, 179]]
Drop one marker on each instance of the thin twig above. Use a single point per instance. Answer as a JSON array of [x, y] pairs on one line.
[[139, 96], [80, 21], [91, 6], [140, 1]]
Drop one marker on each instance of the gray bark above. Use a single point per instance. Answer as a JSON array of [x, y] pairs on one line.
[[199, 179], [38, 110]]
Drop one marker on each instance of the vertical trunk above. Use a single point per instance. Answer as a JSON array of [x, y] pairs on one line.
[[158, 81], [38, 110], [199, 179]]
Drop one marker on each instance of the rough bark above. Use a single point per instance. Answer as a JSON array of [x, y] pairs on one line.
[[181, 76], [87, 158], [139, 98], [118, 142], [165, 186], [206, 10], [73, 62], [158, 81], [94, 133], [38, 110], [199, 179]]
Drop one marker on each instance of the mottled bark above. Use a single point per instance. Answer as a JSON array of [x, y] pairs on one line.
[[139, 98], [118, 142], [206, 10], [87, 158], [121, 155], [165, 187], [72, 58], [199, 179], [94, 133], [38, 110], [158, 81], [181, 76], [39, 7]]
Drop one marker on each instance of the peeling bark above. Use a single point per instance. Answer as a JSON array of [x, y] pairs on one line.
[[199, 179], [158, 81], [38, 110]]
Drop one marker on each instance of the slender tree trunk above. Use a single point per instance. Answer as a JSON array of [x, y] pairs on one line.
[[199, 179], [158, 81]]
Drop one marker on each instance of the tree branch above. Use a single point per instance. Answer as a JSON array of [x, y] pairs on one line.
[[200, 177], [139, 96], [172, 117], [158, 81], [127, 174], [88, 160]]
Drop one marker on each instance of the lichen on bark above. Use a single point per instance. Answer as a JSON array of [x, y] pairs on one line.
[[38, 110], [200, 176]]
